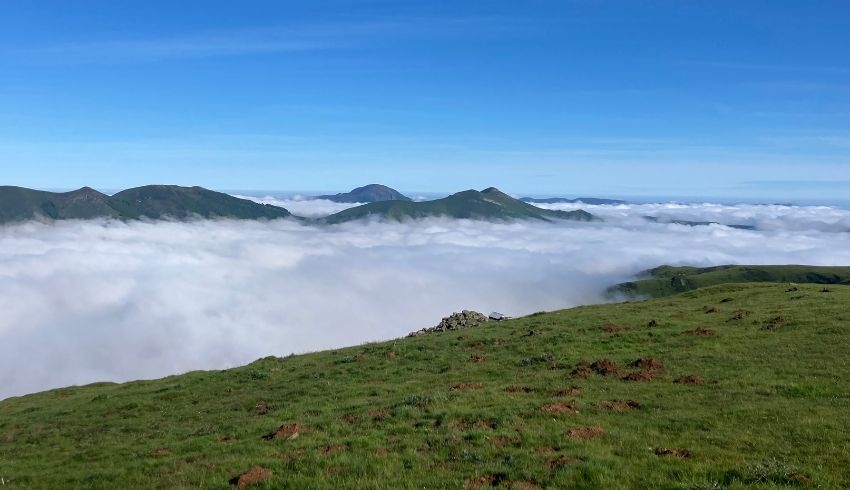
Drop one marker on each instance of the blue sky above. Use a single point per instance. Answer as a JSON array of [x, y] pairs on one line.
[[678, 98]]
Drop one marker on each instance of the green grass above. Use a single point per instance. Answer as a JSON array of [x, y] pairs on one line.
[[772, 412]]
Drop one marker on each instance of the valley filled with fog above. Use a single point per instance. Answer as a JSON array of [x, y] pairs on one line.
[[98, 300]]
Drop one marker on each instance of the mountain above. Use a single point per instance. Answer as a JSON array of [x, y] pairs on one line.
[[160, 201], [489, 204], [19, 203], [732, 386], [655, 219], [668, 280], [154, 202], [368, 193], [582, 200]]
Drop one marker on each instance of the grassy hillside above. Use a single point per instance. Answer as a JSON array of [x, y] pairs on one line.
[[19, 203], [740, 385], [153, 202], [158, 201], [668, 280], [489, 204]]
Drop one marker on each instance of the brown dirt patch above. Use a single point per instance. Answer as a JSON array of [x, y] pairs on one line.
[[255, 475], [476, 345], [605, 367], [499, 341], [619, 405], [227, 438], [690, 379], [502, 441], [476, 425], [774, 323], [484, 481], [673, 453], [261, 408], [586, 432], [351, 418], [710, 309], [381, 452], [562, 461], [465, 386], [559, 408], [612, 328], [377, 414], [571, 391], [544, 450], [648, 341], [519, 389], [476, 358], [360, 356], [738, 315], [702, 332], [648, 364], [391, 355], [581, 372], [288, 432], [640, 376], [160, 452], [333, 449], [391, 439]]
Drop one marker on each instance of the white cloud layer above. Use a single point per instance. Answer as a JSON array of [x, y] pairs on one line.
[[110, 301], [302, 206]]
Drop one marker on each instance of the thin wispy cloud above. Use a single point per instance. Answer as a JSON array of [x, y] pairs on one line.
[[330, 35]]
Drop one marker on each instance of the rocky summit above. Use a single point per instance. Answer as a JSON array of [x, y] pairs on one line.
[[455, 321]]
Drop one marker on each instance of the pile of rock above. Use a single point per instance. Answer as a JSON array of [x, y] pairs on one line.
[[455, 321]]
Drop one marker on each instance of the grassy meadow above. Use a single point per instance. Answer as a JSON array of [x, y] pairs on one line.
[[731, 386]]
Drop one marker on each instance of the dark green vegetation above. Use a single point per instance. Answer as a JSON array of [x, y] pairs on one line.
[[656, 219], [734, 386], [583, 200], [368, 193], [489, 204], [152, 201], [667, 280]]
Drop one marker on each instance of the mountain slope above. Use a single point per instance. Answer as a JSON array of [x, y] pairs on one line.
[[753, 393], [153, 202], [19, 203], [667, 280], [368, 193], [489, 204], [160, 201]]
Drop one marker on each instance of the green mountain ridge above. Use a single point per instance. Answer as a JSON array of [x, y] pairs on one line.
[[669, 280], [150, 202], [666, 393], [489, 204]]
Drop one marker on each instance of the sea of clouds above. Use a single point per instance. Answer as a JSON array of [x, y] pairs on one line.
[[86, 301]]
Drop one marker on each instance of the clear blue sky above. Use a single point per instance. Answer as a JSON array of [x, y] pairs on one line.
[[701, 98]]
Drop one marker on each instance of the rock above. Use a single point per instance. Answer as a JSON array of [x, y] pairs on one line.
[[455, 321]]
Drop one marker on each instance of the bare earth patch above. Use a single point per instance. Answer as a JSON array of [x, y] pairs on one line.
[[519, 389], [774, 323], [559, 408], [465, 386], [484, 482], [619, 405], [586, 432], [288, 431], [605, 367], [571, 391], [160, 452], [702, 332], [476, 358], [673, 453], [562, 461], [738, 315], [333, 449], [255, 475], [611, 328]]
